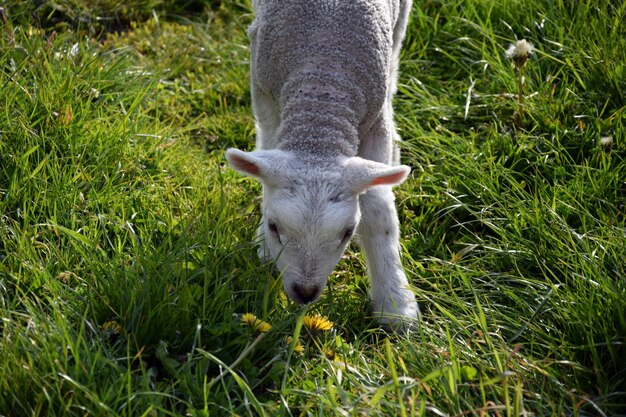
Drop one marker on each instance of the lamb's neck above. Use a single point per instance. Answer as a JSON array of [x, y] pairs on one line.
[[321, 110]]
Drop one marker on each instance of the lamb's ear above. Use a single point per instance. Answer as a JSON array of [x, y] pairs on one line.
[[362, 174], [265, 166]]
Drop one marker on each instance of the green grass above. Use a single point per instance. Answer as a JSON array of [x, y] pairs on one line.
[[126, 243]]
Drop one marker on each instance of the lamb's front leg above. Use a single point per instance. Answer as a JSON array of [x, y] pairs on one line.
[[263, 251], [379, 237]]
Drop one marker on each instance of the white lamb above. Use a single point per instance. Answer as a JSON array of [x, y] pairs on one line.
[[323, 74]]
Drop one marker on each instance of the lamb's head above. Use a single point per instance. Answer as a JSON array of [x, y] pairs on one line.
[[310, 210]]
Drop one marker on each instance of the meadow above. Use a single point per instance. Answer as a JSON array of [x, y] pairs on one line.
[[129, 281]]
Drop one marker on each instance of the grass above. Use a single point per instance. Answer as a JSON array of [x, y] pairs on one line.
[[126, 254]]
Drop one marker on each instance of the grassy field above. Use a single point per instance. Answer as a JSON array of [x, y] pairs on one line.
[[125, 258]]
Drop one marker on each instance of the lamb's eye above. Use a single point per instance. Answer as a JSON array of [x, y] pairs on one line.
[[347, 234], [271, 224]]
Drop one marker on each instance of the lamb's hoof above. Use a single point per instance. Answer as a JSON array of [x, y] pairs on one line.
[[399, 320]]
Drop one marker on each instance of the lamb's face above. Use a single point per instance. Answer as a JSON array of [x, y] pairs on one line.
[[310, 210], [307, 228]]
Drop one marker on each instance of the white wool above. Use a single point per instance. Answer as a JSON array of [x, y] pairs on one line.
[[327, 63]]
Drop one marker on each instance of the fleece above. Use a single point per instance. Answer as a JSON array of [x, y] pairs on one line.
[[328, 67]]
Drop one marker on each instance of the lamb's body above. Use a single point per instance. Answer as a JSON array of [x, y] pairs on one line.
[[323, 73], [330, 64]]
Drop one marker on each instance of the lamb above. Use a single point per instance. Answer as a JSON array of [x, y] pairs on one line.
[[323, 74]]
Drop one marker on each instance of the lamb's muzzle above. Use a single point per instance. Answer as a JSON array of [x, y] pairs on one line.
[[305, 294]]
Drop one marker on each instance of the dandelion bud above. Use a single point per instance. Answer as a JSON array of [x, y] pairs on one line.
[[520, 52]]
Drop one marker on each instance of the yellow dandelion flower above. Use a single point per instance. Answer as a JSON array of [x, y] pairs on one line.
[[112, 327], [298, 348], [255, 323], [318, 323], [329, 354]]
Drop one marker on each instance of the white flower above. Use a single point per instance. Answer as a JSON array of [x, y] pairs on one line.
[[74, 50], [519, 52], [606, 142]]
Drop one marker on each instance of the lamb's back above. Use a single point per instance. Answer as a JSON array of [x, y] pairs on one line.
[[348, 41]]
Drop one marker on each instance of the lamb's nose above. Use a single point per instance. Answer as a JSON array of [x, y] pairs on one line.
[[305, 293]]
